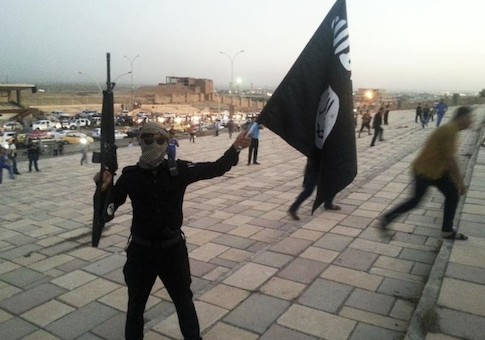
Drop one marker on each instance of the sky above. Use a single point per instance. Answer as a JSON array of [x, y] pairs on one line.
[[408, 45]]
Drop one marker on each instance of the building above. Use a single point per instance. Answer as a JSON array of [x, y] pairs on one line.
[[11, 106], [194, 85]]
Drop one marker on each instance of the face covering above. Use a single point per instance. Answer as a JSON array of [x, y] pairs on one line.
[[152, 153]]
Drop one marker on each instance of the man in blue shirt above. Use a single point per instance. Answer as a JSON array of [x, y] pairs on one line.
[[253, 147], [440, 109]]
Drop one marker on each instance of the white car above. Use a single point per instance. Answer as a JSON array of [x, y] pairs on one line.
[[45, 124], [120, 135], [58, 133], [79, 122], [5, 137], [95, 121], [96, 133], [12, 126]]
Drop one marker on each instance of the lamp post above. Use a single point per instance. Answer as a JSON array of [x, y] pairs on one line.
[[231, 59], [132, 61], [97, 84], [91, 79], [121, 75]]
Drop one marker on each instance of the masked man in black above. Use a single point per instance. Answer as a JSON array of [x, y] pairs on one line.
[[156, 187]]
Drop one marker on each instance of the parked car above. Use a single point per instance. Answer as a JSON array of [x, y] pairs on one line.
[[44, 124], [40, 134], [79, 122], [132, 132], [73, 137], [95, 121], [87, 113], [120, 135], [96, 133], [12, 126], [5, 137], [58, 133]]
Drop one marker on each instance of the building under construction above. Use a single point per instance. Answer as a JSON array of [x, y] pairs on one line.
[[194, 85]]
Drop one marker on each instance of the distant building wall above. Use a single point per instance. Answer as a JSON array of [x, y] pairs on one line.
[[239, 102], [204, 86]]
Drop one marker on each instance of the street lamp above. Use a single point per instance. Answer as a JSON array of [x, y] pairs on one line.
[[121, 75], [132, 61], [91, 79], [97, 84], [231, 59]]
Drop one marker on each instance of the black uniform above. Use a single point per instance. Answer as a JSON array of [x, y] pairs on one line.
[[33, 152], [377, 126], [158, 247], [419, 112]]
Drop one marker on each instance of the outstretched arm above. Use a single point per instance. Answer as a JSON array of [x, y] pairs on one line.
[[205, 170]]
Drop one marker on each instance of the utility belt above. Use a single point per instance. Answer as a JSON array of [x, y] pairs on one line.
[[159, 244]]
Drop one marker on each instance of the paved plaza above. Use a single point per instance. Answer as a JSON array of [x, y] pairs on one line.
[[257, 274]]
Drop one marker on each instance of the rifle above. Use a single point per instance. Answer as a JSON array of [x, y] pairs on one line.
[[107, 158]]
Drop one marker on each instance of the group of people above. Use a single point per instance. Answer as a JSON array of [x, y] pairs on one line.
[[426, 113], [381, 117], [376, 123], [157, 245], [8, 157]]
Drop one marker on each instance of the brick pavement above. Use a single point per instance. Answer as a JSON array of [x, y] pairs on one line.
[[256, 273]]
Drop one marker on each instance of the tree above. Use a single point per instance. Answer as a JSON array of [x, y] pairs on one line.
[[481, 93]]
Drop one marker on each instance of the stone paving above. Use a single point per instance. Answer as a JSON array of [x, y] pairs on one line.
[[257, 274]]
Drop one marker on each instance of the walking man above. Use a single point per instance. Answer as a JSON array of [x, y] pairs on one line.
[[84, 153], [253, 148], [310, 181], [377, 126], [425, 116], [366, 118], [33, 152], [386, 115], [441, 109], [12, 155], [4, 164], [436, 166], [419, 111]]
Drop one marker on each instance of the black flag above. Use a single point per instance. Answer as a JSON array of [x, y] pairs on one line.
[[312, 108]]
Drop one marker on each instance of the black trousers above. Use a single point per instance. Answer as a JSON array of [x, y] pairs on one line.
[[365, 125], [33, 160], [421, 185], [378, 132], [171, 265], [386, 117], [253, 150], [310, 182]]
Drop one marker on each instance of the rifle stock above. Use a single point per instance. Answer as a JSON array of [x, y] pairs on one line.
[[107, 159]]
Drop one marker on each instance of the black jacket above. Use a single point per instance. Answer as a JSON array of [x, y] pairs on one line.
[[377, 122], [157, 196]]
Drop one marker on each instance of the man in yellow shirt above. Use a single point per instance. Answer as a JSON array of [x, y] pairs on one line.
[[436, 165]]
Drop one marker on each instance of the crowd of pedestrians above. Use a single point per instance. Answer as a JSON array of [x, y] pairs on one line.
[[8, 157]]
